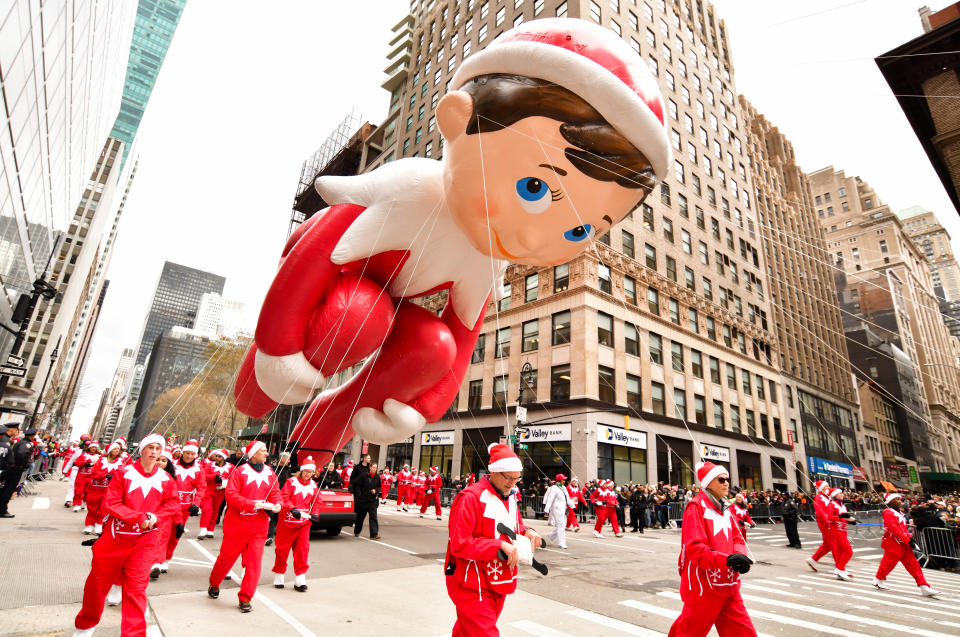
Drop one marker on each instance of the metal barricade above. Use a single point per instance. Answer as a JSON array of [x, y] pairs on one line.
[[940, 547], [869, 524]]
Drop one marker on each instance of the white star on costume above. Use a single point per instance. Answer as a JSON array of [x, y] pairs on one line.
[[112, 466], [183, 472], [259, 477], [145, 483], [304, 489], [720, 522]]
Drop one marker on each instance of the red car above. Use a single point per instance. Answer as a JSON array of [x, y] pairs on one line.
[[335, 511]]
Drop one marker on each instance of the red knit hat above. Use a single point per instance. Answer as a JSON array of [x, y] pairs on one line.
[[591, 62], [253, 447], [502, 458], [707, 472]]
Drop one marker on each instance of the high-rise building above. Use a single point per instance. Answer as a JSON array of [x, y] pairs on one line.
[[177, 357], [648, 352], [933, 239], [111, 403], [881, 434], [152, 33], [218, 317], [175, 303], [821, 401], [885, 287]]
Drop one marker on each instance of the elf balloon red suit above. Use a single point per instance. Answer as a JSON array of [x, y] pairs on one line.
[[135, 499], [477, 580], [898, 546], [576, 495], [433, 483], [215, 475], [557, 115], [251, 489], [191, 483], [300, 502], [711, 560], [84, 473], [100, 479], [838, 517], [821, 505]]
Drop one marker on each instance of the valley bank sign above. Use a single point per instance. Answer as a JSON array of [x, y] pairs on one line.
[[544, 433], [622, 437]]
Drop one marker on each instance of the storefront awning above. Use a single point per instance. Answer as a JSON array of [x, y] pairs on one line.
[[940, 477], [887, 485]]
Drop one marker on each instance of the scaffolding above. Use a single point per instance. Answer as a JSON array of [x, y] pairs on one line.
[[338, 139]]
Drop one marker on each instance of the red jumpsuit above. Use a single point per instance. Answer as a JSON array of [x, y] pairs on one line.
[[432, 493], [97, 488], [821, 504], [576, 495], [605, 504], [404, 485], [291, 532], [213, 494], [742, 516], [842, 551], [421, 486], [479, 581], [385, 480], [710, 590], [896, 548], [124, 552], [345, 476], [84, 475], [191, 485], [244, 527]]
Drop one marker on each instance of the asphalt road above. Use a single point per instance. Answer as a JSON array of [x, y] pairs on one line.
[[611, 586]]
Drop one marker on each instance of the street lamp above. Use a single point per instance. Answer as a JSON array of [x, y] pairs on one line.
[[53, 359], [523, 397]]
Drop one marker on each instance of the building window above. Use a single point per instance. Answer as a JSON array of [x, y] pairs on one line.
[[499, 391], [475, 395], [656, 399], [656, 348], [653, 301], [501, 15], [606, 392], [689, 279], [604, 329], [745, 377], [630, 290], [750, 423], [531, 283], [595, 11], [561, 277], [503, 343], [647, 216], [679, 403], [718, 415], [504, 303], [631, 339], [714, 370], [734, 418], [676, 356], [694, 323], [531, 336], [603, 276], [627, 242], [671, 268], [428, 149], [560, 328], [711, 329], [562, 10], [696, 363], [685, 241], [633, 393], [479, 348], [699, 410], [674, 311], [682, 199], [760, 391], [560, 382], [773, 392], [668, 229], [650, 255], [731, 376]]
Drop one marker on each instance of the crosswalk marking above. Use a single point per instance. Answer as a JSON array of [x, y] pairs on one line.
[[865, 548], [790, 621], [892, 594], [41, 503], [662, 612], [629, 548], [873, 599], [899, 574], [615, 624], [539, 630]]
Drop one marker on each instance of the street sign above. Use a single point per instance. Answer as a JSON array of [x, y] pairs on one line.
[[520, 431], [513, 440], [521, 414], [6, 370], [16, 361], [522, 447]]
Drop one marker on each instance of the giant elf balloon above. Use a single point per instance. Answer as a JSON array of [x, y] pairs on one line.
[[552, 134]]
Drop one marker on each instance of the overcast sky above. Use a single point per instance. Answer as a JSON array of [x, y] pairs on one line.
[[246, 94]]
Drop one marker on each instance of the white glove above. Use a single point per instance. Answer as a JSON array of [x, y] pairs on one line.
[[260, 504], [276, 508], [524, 550]]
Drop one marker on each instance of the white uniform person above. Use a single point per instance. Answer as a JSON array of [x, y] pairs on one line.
[[555, 505]]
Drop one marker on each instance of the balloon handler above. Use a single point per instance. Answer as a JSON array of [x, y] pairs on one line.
[[552, 134]]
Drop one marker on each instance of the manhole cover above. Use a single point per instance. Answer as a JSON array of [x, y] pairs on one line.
[[37, 528]]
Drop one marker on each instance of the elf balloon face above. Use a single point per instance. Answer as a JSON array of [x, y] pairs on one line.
[[536, 191]]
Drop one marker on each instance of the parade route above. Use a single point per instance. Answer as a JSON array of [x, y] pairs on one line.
[[611, 586]]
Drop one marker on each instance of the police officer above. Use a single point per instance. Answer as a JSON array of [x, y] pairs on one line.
[[16, 461]]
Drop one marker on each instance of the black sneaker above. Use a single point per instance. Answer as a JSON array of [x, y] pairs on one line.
[[213, 592], [299, 588], [245, 607], [154, 573], [269, 543], [7, 514]]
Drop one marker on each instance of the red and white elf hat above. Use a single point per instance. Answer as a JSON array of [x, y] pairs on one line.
[[707, 472], [835, 492], [308, 464], [122, 442], [502, 458], [890, 497], [93, 444], [114, 445], [191, 445], [219, 452], [821, 485], [253, 447], [593, 63], [166, 453], [433, 469]]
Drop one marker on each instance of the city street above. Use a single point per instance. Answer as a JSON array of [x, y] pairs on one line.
[[614, 586]]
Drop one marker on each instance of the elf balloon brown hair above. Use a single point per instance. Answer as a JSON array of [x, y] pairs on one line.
[[500, 100]]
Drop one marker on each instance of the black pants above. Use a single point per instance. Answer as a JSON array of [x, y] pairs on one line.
[[638, 518], [11, 480], [272, 529], [791, 528], [621, 515], [363, 510]]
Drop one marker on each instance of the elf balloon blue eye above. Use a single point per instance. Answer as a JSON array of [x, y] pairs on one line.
[[578, 234], [533, 194]]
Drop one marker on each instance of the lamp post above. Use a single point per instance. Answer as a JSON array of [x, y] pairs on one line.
[[522, 399], [53, 359]]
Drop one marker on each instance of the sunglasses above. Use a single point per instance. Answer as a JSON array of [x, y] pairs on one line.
[[723, 480]]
